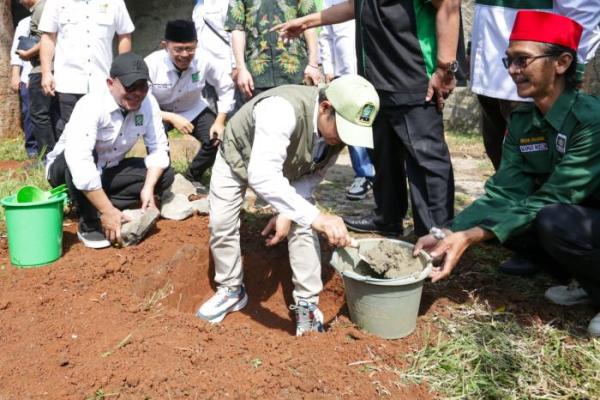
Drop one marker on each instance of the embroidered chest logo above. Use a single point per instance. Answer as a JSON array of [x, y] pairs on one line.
[[139, 120], [561, 143], [103, 8], [196, 77]]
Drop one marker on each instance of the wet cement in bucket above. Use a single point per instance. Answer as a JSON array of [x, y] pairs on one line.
[[389, 261]]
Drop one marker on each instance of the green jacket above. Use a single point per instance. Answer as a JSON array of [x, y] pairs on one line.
[[239, 134], [546, 159]]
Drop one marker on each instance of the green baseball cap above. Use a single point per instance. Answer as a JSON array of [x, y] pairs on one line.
[[356, 104]]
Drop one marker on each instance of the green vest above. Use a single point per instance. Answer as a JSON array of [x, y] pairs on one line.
[[239, 134]]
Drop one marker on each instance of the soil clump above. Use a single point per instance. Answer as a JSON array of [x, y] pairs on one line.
[[391, 261]]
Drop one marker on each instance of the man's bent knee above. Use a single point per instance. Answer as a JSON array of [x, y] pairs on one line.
[[549, 218]]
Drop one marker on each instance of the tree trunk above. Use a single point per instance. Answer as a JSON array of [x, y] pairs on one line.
[[9, 101], [592, 76]]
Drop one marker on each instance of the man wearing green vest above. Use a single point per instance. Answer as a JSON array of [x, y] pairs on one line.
[[544, 199], [280, 144]]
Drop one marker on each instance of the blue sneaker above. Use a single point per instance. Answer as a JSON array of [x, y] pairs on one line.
[[308, 317], [226, 300]]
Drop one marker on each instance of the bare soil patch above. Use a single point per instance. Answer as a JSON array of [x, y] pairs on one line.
[[122, 320], [12, 165]]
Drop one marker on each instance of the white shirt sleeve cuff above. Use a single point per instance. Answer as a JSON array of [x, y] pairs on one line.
[[158, 159], [88, 185], [307, 215]]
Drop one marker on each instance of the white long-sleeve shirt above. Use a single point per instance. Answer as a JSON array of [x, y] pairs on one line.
[[22, 29], [587, 13], [492, 26], [213, 12], [183, 94], [336, 45], [85, 32], [97, 126], [275, 121]]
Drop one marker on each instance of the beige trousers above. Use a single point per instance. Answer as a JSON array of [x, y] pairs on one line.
[[226, 197]]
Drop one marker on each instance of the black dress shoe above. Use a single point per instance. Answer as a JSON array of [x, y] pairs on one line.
[[370, 225], [519, 265]]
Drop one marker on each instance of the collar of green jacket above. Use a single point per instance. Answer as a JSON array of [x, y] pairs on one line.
[[558, 112]]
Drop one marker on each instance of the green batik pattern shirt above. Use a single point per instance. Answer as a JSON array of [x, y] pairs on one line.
[[270, 61], [551, 159]]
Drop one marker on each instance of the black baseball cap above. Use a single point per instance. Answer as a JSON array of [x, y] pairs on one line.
[[129, 68]]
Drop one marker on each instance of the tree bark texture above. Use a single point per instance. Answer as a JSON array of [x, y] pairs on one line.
[[10, 121]]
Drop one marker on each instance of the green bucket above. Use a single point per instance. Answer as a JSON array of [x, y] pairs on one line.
[[385, 307], [34, 230]]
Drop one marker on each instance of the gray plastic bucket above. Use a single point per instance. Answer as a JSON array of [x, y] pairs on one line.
[[385, 307]]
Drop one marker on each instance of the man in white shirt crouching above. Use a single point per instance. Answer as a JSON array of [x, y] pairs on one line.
[[280, 144], [178, 76], [90, 155]]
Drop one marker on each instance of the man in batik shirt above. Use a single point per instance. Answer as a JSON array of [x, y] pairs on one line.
[[263, 60]]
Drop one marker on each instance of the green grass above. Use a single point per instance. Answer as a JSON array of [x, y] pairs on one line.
[[461, 200], [13, 149], [469, 143], [100, 395], [471, 138], [13, 179], [483, 354], [180, 165]]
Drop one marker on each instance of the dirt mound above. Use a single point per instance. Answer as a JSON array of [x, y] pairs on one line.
[[121, 322]]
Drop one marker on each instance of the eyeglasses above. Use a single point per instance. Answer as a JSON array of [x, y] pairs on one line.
[[180, 50], [521, 62]]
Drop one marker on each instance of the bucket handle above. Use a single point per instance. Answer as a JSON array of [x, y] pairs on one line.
[[57, 191]]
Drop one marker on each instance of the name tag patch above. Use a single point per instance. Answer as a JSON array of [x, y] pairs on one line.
[[536, 139], [561, 143], [162, 85], [196, 77], [530, 148], [139, 120]]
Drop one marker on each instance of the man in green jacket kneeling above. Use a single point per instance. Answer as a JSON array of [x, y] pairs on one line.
[[544, 200]]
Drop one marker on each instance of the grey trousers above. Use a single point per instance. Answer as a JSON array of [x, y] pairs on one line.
[[226, 197]]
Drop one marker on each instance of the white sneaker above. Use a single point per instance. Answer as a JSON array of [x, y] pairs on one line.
[[567, 295], [226, 300], [308, 317], [594, 326], [93, 239], [360, 188]]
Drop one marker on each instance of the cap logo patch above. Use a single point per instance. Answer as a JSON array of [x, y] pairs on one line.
[[366, 114], [139, 120]]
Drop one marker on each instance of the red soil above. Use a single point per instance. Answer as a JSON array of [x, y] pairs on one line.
[[88, 322], [11, 164], [122, 320]]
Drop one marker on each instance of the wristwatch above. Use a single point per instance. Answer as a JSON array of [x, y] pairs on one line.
[[450, 67], [437, 233]]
